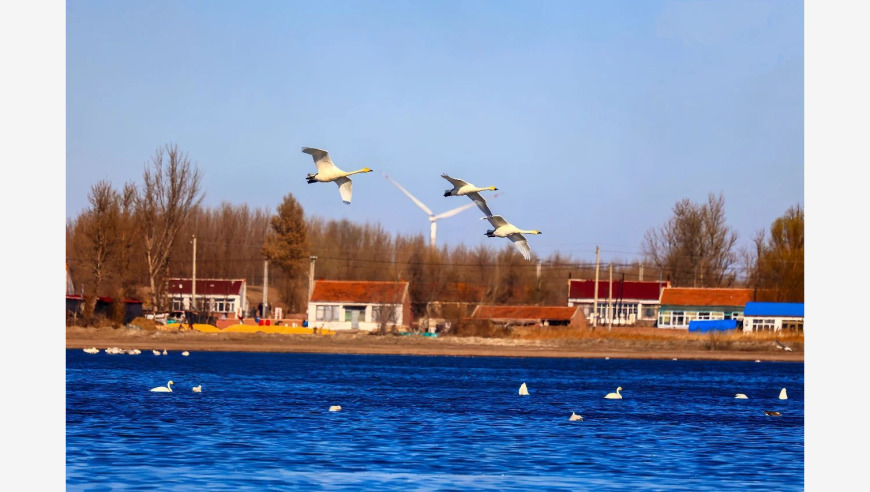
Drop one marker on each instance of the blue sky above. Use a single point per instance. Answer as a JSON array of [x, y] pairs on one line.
[[592, 118]]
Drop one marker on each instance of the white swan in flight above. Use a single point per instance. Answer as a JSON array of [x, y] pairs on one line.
[[197, 389], [524, 391], [463, 188], [504, 228], [783, 395], [163, 389], [327, 171], [741, 396], [614, 396], [574, 416]]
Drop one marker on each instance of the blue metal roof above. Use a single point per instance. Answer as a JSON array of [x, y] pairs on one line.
[[774, 309], [706, 325]]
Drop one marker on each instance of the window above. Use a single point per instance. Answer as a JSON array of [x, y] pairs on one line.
[[177, 304], [326, 313], [679, 318], [704, 315], [649, 312], [224, 305], [379, 311]]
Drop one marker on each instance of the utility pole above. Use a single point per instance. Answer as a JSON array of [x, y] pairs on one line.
[[311, 260], [610, 301], [539, 282], [193, 284], [640, 273], [595, 298], [265, 289]]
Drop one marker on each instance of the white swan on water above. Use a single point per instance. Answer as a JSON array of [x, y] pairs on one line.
[[185, 353], [335, 408], [614, 396], [574, 416], [164, 351], [524, 391], [155, 352], [741, 396], [163, 389], [92, 350], [197, 389], [783, 395]]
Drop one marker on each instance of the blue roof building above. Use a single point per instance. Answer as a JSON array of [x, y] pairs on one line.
[[773, 316]]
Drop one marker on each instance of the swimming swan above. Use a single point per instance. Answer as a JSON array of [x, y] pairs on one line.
[[464, 188], [185, 353], [783, 395], [155, 352], [770, 413], [164, 389], [504, 228], [164, 351], [92, 350], [327, 171], [197, 389], [614, 396], [523, 390], [741, 396], [574, 416], [335, 408]]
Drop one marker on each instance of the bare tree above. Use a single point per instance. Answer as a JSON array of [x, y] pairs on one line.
[[171, 190], [694, 246], [780, 260], [101, 222]]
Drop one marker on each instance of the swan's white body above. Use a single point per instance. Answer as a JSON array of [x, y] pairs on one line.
[[92, 350], [335, 408], [783, 395], [741, 396], [574, 416], [327, 171], [524, 391], [164, 351], [504, 228], [197, 389], [185, 353], [614, 396], [155, 352], [464, 188], [163, 389]]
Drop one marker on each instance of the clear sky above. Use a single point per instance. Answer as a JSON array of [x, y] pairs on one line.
[[592, 118]]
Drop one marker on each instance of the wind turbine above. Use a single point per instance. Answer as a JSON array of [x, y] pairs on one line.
[[433, 219]]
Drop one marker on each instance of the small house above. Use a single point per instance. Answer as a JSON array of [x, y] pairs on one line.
[[773, 316], [359, 305], [219, 296], [626, 302], [682, 305]]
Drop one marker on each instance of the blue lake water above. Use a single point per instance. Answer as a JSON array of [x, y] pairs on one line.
[[429, 423]]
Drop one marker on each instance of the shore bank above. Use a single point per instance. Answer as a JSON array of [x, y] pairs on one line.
[[687, 348]]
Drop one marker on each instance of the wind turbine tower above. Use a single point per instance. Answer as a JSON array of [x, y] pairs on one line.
[[433, 219]]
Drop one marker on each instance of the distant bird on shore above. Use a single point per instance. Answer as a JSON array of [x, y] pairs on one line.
[[329, 172], [741, 396], [771, 413], [614, 396], [574, 416], [524, 391], [335, 408], [782, 346], [503, 228], [783, 395], [197, 389], [464, 188], [163, 389]]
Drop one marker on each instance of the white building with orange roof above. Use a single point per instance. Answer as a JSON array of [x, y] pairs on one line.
[[359, 305], [680, 305]]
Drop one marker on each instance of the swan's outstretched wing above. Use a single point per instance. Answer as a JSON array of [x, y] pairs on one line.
[[345, 187], [458, 183], [480, 202], [496, 220], [321, 158], [521, 244]]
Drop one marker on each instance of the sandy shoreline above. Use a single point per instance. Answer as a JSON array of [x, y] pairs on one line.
[[690, 349]]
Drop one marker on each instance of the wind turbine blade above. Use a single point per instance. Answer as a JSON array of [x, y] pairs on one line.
[[418, 202], [451, 213]]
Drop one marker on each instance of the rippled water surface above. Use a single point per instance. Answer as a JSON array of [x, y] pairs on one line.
[[423, 423]]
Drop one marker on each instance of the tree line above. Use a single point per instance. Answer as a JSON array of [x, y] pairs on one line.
[[128, 241]]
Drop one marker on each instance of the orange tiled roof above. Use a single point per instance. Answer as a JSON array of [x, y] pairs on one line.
[[686, 296], [359, 291], [525, 312]]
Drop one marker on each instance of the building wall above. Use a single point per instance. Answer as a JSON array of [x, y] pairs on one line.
[[334, 315], [680, 316], [754, 324], [626, 312], [231, 303]]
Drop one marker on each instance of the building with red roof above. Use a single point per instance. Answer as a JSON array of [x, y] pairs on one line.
[[627, 302], [531, 315], [220, 296], [680, 305], [359, 305]]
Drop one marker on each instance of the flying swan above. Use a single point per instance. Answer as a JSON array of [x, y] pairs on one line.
[[504, 228], [163, 389], [614, 396], [463, 188], [327, 171]]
